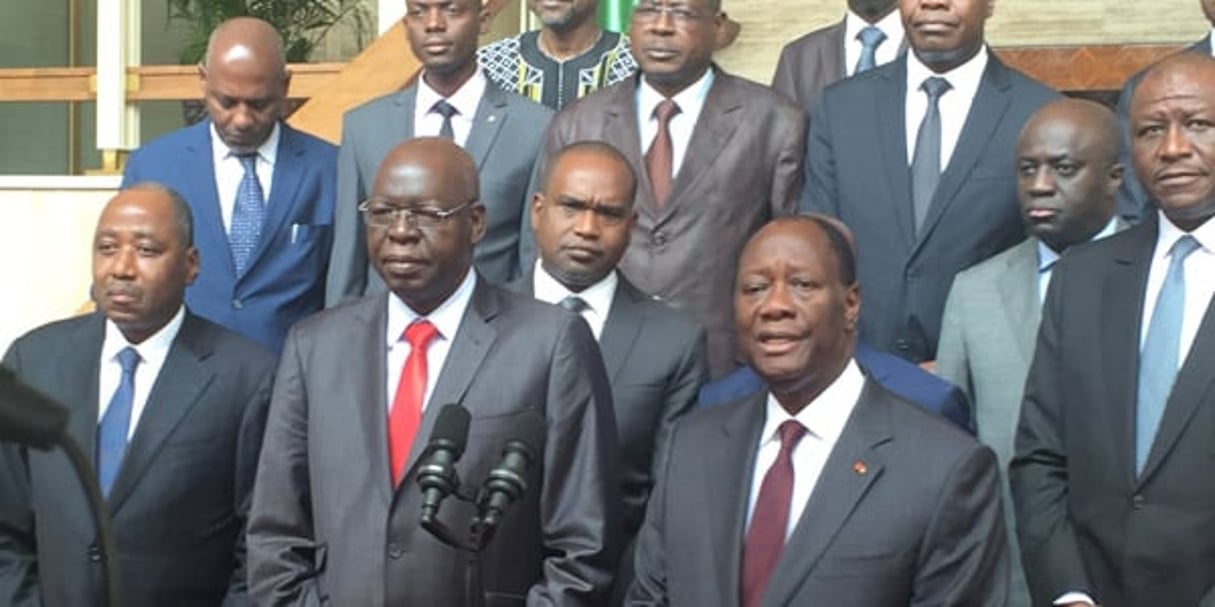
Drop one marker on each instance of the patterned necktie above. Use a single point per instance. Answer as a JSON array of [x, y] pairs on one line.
[[116, 423], [406, 412], [870, 37], [770, 518], [1158, 362], [248, 214], [659, 158], [446, 110], [574, 304], [926, 161]]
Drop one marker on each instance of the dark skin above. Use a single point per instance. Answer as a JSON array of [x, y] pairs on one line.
[[796, 318], [443, 35], [872, 11], [673, 42], [944, 33], [1172, 122], [141, 262], [1068, 172], [583, 217], [244, 82], [424, 266], [569, 26]]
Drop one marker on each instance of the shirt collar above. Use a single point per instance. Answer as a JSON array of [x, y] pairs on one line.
[[154, 349], [465, 99], [1047, 256], [598, 296], [267, 151], [891, 25], [963, 80], [826, 416], [689, 100], [1168, 234], [446, 318]]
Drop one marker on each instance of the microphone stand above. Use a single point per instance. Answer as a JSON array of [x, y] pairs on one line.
[[474, 591], [105, 538]]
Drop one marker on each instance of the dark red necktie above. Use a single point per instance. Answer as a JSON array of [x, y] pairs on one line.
[[659, 159], [406, 412], [766, 536]]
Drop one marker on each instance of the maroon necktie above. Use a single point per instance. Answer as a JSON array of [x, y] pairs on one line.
[[766, 536], [659, 159]]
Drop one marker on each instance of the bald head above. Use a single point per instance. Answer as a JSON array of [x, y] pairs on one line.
[[429, 158], [244, 81]]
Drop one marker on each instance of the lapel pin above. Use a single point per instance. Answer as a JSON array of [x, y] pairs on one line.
[[860, 467], [492, 118]]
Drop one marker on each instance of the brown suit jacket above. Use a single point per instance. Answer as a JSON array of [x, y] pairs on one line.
[[742, 168], [810, 63]]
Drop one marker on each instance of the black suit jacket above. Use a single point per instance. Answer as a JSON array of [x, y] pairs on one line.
[[1084, 520], [857, 170], [179, 504]]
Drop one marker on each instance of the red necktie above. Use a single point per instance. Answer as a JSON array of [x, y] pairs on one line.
[[766, 536], [659, 159], [406, 411]]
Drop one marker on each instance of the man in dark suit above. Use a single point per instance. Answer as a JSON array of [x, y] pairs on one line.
[[870, 35], [451, 98], [951, 111], [1111, 476], [721, 156], [261, 191], [335, 510], [1133, 201], [825, 485], [170, 409]]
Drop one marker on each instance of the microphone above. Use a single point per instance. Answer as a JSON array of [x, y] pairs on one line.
[[506, 482], [436, 473], [28, 417]]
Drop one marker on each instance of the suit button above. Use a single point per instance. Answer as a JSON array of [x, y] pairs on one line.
[[94, 553], [1137, 502], [395, 551], [658, 239], [238, 304]]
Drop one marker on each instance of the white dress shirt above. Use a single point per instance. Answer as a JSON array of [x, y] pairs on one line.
[[598, 297], [152, 354], [428, 123], [887, 51], [446, 318], [1199, 279], [824, 420], [229, 171], [1047, 257], [955, 103], [691, 101]]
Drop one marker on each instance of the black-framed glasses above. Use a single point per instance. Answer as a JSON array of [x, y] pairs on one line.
[[378, 215]]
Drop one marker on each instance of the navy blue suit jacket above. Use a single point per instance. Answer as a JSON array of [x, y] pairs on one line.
[[891, 372], [285, 280]]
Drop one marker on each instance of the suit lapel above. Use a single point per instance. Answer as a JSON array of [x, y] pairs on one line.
[[890, 108], [1018, 286], [182, 380], [78, 372], [286, 179], [835, 57], [491, 113], [986, 111], [719, 118], [853, 466], [621, 328], [733, 458], [621, 130], [202, 193], [367, 384]]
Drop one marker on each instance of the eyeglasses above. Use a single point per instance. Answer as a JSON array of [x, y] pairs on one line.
[[608, 216], [381, 216], [650, 11]]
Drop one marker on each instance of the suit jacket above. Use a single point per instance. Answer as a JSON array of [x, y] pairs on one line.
[[656, 363], [1085, 520], [181, 498], [741, 170], [505, 138], [327, 528], [891, 372], [857, 170], [810, 63], [906, 507], [285, 279], [1133, 202]]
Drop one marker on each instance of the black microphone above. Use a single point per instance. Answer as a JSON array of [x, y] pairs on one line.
[[436, 471], [506, 482], [28, 417]]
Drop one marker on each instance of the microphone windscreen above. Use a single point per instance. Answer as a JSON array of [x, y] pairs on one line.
[[28, 417], [529, 429], [452, 426]]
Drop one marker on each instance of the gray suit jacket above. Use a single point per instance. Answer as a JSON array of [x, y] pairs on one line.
[[326, 527], [987, 342], [810, 63], [856, 169], [505, 138], [1086, 521], [179, 504], [742, 169], [906, 511]]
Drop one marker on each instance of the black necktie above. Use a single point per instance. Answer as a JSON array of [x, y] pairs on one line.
[[926, 161], [446, 110], [574, 304]]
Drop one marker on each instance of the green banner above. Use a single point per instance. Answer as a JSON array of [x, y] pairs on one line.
[[613, 15]]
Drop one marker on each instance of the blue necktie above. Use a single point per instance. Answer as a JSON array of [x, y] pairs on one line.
[[116, 423], [870, 38], [248, 214], [1158, 360], [926, 160]]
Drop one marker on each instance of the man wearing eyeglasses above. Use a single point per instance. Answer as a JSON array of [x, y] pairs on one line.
[[336, 509], [655, 355], [717, 157]]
